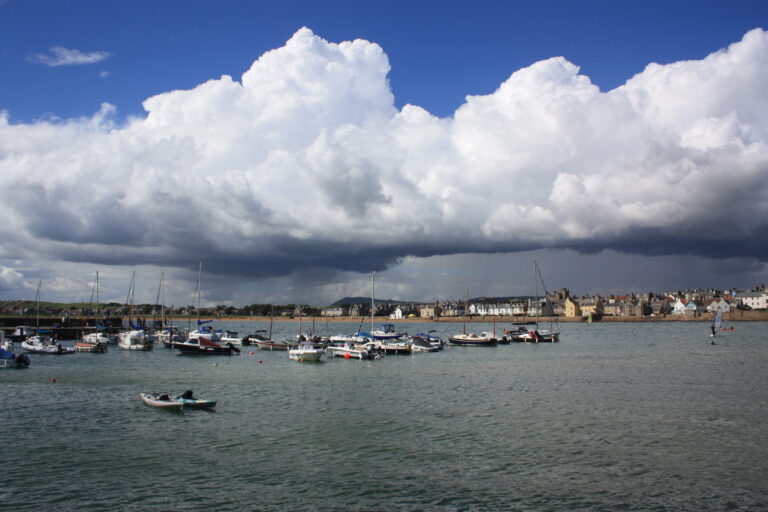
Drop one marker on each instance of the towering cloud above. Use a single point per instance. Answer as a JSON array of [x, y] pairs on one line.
[[306, 162]]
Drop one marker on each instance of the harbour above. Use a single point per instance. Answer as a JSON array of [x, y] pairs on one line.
[[615, 416]]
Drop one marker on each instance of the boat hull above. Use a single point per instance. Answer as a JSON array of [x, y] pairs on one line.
[[206, 350], [82, 346], [196, 403], [270, 345], [46, 349], [153, 400], [308, 355], [472, 342]]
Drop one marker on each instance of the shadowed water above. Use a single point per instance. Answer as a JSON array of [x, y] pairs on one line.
[[614, 417]]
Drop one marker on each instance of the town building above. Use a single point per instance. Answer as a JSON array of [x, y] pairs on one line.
[[753, 300]]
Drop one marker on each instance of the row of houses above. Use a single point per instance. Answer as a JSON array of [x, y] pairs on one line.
[[689, 303]]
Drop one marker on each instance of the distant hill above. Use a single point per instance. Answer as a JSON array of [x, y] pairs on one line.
[[367, 300]]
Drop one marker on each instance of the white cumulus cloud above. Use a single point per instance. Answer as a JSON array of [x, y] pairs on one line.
[[305, 162]]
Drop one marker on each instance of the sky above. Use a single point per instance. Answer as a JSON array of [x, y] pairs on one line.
[[296, 147]]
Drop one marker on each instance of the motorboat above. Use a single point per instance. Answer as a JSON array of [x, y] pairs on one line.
[[305, 351], [93, 342], [21, 333], [434, 340], [255, 337], [359, 338], [201, 345], [395, 346], [355, 351], [43, 344], [133, 340], [386, 333], [230, 337], [205, 331], [518, 334], [540, 336], [422, 344], [8, 359], [170, 336], [316, 340]]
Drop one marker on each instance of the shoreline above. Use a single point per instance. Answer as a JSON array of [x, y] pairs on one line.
[[737, 316]]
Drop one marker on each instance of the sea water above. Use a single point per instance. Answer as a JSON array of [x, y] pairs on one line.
[[647, 416]]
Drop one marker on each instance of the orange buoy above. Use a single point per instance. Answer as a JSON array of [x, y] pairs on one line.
[[347, 356], [251, 352], [260, 361], [53, 379]]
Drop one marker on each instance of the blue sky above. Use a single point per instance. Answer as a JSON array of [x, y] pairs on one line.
[[317, 173], [439, 51]]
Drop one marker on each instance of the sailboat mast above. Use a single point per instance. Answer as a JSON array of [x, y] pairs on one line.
[[37, 314], [466, 310], [98, 309], [162, 300], [373, 274], [271, 315], [537, 305], [199, 272]]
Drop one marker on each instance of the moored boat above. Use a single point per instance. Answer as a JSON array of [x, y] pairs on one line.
[[386, 333], [394, 346], [355, 351], [273, 345], [133, 340], [473, 340], [170, 336], [305, 351], [200, 345], [232, 337], [253, 338], [8, 359], [93, 342], [433, 339], [422, 344], [42, 344], [21, 333]]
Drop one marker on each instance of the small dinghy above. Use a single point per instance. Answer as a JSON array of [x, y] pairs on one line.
[[188, 399], [163, 401]]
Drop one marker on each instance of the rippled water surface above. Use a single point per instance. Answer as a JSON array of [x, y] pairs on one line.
[[614, 417]]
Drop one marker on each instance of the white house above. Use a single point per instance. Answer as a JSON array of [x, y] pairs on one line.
[[721, 305], [755, 300], [397, 315], [687, 307]]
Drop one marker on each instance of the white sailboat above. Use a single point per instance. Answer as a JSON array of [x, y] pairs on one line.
[[96, 341], [134, 337], [42, 343], [541, 335], [205, 340], [484, 339]]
